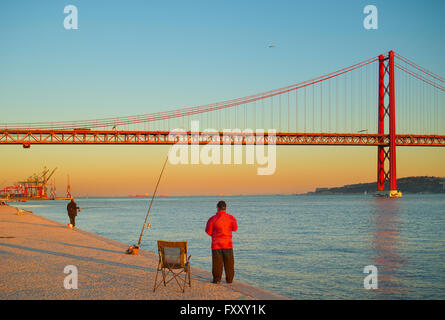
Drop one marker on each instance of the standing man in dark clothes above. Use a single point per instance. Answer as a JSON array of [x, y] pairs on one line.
[[72, 211], [220, 228]]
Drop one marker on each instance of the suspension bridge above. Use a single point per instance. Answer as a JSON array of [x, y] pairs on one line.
[[385, 101]]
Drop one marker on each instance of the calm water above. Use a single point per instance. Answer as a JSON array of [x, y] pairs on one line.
[[303, 247]]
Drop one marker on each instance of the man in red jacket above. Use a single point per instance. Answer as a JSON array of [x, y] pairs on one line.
[[220, 228]]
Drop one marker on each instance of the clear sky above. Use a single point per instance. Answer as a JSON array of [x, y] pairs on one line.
[[136, 57]]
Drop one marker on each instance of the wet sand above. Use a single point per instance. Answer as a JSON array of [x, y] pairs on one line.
[[34, 252]]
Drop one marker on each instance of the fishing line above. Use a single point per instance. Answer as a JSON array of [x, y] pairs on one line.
[[151, 202], [83, 208]]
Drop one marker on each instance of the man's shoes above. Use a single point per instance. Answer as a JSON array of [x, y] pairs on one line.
[[216, 282]]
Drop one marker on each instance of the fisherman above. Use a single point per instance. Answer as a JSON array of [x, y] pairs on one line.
[[72, 212], [220, 228]]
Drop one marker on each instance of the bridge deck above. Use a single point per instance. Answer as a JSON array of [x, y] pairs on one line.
[[49, 137]]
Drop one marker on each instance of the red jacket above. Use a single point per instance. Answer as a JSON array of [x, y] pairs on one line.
[[220, 228]]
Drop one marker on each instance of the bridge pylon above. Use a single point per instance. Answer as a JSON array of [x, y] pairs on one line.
[[386, 155]]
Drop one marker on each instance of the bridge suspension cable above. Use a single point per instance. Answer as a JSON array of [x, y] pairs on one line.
[[184, 112], [343, 101]]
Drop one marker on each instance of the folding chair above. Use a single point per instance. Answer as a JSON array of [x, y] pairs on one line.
[[172, 257]]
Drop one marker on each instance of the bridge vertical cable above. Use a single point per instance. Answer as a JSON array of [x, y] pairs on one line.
[[420, 99], [332, 105]]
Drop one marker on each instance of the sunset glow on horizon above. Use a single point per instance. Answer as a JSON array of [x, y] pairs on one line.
[[133, 170]]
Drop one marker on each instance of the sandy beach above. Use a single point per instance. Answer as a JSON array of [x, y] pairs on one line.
[[34, 252]]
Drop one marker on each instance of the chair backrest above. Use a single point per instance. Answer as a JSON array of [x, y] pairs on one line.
[[172, 253]]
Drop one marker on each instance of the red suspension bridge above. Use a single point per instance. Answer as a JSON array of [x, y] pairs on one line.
[[353, 106]]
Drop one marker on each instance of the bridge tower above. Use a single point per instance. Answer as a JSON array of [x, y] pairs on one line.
[[386, 108]]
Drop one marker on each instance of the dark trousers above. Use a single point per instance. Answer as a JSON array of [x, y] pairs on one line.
[[73, 220], [220, 258]]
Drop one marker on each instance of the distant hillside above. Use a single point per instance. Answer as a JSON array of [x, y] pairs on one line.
[[406, 185]]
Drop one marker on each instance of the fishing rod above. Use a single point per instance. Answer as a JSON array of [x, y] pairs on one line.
[[135, 249]]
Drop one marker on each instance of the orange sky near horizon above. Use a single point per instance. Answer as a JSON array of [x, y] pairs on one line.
[[129, 170]]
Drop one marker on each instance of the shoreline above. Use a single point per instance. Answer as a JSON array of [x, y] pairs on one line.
[[34, 251]]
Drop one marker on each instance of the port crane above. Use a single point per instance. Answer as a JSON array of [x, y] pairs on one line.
[[36, 185]]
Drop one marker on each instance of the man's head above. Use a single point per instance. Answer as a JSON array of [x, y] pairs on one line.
[[72, 199], [221, 205]]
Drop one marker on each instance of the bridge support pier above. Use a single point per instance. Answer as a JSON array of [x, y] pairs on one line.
[[386, 154]]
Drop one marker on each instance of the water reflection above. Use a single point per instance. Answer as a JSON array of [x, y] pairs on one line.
[[386, 245]]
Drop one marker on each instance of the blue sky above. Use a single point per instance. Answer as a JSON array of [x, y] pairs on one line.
[[135, 57]]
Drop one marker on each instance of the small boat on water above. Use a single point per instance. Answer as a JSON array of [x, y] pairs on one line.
[[389, 194], [395, 194]]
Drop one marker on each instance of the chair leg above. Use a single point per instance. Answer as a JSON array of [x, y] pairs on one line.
[[190, 276], [156, 278], [185, 281], [175, 276], [163, 276]]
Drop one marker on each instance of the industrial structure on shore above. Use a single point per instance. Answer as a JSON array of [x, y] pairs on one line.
[[35, 187]]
